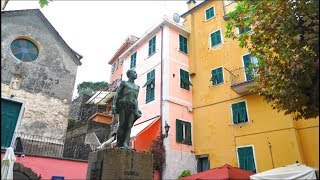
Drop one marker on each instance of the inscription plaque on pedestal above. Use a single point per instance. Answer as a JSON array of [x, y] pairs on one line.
[[96, 170]]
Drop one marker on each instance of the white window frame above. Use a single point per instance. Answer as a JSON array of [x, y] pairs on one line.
[[247, 110], [179, 45], [205, 14], [254, 155], [214, 85], [180, 79], [155, 48], [212, 47], [184, 135]]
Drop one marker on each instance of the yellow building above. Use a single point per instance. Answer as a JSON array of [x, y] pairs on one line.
[[232, 125]]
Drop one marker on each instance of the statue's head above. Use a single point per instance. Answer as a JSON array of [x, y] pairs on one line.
[[132, 74]]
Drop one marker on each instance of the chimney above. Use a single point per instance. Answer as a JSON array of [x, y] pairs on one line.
[[191, 3]]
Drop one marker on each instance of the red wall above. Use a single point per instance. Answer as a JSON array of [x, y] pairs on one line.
[[48, 167], [144, 140]]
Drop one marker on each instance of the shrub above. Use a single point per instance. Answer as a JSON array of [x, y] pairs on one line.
[[158, 151], [185, 173]]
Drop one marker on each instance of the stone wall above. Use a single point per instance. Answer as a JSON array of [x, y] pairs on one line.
[[46, 84], [43, 115], [53, 73], [76, 107]]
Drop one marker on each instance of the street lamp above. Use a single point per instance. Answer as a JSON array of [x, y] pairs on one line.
[[167, 127]]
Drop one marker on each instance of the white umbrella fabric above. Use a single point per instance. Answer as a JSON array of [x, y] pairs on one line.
[[289, 172], [7, 164]]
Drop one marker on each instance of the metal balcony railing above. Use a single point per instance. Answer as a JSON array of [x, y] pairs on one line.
[[30, 144], [241, 78]]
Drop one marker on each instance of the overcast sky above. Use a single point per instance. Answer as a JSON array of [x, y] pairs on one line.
[[97, 29]]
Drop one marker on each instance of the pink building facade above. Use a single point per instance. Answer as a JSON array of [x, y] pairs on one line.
[[160, 58]]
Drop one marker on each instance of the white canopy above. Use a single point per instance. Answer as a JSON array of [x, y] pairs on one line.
[[293, 171]]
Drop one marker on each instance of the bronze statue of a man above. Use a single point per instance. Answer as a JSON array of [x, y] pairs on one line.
[[125, 104]]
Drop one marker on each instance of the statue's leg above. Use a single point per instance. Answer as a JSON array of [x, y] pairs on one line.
[[130, 121], [121, 129]]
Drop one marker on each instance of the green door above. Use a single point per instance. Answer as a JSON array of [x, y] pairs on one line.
[[9, 116]]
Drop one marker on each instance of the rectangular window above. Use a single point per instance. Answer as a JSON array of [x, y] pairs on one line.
[[183, 44], [184, 79], [239, 112], [116, 65], [217, 76], [150, 86], [133, 60], [243, 30], [203, 163], [183, 132], [209, 13], [246, 158], [152, 46], [215, 38], [250, 66], [112, 68]]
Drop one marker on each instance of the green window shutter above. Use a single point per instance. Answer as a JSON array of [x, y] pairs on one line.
[[179, 131], [246, 159], [250, 160], [214, 77], [133, 60], [181, 78], [248, 71], [219, 75], [183, 44], [150, 86], [242, 155], [180, 43], [209, 13], [188, 133], [218, 36], [152, 45], [243, 112], [212, 12], [184, 79], [215, 38], [235, 112]]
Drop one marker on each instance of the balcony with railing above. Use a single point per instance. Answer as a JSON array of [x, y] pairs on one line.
[[31, 144], [242, 79]]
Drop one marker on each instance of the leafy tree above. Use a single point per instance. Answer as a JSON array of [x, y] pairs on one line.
[[89, 88], [43, 3], [284, 37]]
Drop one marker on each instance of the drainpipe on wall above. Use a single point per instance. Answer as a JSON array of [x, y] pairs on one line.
[[161, 88]]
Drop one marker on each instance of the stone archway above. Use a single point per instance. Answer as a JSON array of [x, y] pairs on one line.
[[23, 173]]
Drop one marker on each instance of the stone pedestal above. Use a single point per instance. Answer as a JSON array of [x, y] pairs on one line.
[[116, 163]]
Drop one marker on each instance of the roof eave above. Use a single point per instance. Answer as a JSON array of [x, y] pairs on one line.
[[164, 21], [194, 8]]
